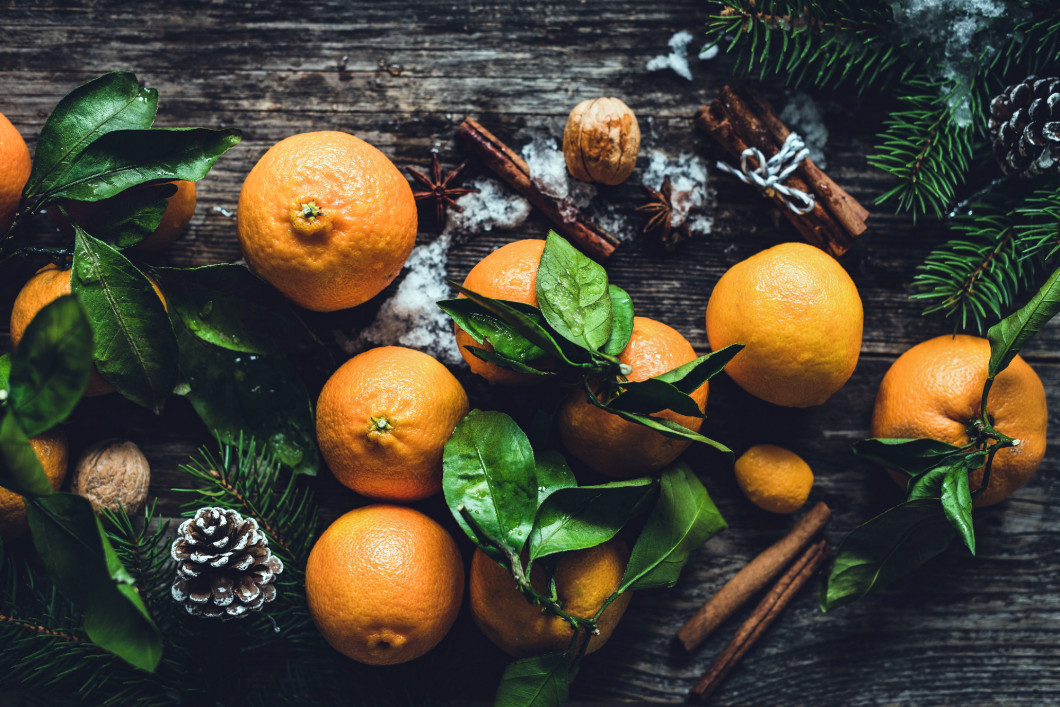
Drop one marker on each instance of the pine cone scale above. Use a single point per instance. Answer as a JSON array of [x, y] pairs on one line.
[[1025, 124]]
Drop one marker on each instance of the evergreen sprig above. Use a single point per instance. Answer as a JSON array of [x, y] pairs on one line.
[[925, 148]]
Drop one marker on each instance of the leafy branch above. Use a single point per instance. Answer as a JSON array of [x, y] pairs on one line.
[[938, 501], [518, 507]]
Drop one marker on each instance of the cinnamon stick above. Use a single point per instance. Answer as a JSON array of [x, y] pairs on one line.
[[755, 575], [739, 120], [767, 611], [510, 167]]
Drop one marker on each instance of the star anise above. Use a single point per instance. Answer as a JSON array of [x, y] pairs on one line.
[[660, 224], [439, 188]]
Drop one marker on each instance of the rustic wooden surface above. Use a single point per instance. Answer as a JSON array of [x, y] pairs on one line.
[[960, 631]]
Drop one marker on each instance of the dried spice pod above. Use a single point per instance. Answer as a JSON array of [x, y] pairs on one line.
[[224, 566], [601, 141], [112, 474]]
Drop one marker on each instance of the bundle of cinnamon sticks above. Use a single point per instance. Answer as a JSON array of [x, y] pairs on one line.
[[739, 119], [794, 549]]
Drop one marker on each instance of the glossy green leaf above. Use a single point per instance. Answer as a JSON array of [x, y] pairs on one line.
[[80, 560], [123, 159], [653, 395], [506, 362], [957, 503], [621, 320], [553, 474], [134, 347], [530, 323], [50, 367], [664, 427], [259, 395], [910, 456], [928, 484], [573, 295], [683, 519], [586, 516], [114, 101], [485, 327], [489, 469], [228, 306], [538, 681], [20, 470], [691, 376], [5, 374], [1009, 335], [884, 549], [131, 216]]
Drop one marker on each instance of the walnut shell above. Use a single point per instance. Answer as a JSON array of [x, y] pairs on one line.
[[601, 141], [112, 473]]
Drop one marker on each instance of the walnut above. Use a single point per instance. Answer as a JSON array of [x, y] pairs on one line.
[[601, 141], [112, 473]]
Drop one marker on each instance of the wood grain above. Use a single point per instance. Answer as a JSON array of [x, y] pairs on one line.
[[961, 631]]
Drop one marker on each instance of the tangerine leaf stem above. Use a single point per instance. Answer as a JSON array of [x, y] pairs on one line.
[[515, 566]]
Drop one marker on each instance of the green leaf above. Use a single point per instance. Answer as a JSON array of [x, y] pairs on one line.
[[582, 517], [80, 560], [884, 549], [957, 503], [664, 427], [131, 216], [653, 395], [573, 294], [910, 456], [485, 327], [621, 320], [553, 474], [5, 373], [683, 519], [1009, 335], [259, 395], [928, 484], [530, 323], [134, 346], [228, 306], [50, 367], [538, 681], [488, 468], [689, 377], [114, 101], [21, 471], [123, 159], [506, 362]]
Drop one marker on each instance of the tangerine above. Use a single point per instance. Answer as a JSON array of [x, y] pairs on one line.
[[51, 450]]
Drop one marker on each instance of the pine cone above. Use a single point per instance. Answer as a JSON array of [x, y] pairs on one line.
[[1025, 123], [225, 566]]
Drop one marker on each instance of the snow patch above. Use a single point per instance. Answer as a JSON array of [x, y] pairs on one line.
[[677, 59], [691, 197], [494, 206], [804, 117]]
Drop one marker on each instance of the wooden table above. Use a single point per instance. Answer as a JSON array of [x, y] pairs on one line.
[[960, 631]]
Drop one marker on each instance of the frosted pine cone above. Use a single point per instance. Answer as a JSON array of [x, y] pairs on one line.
[[225, 568], [1025, 124]]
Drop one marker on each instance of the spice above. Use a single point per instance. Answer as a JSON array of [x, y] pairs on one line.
[[439, 188], [761, 618], [511, 168], [740, 120], [748, 581], [661, 223]]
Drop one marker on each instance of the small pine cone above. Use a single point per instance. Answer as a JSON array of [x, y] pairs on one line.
[[225, 568], [1025, 124]]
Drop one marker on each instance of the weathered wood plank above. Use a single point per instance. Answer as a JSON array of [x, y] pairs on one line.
[[961, 631]]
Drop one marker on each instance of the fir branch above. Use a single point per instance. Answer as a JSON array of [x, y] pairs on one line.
[[823, 43], [1000, 251], [925, 149], [1033, 45]]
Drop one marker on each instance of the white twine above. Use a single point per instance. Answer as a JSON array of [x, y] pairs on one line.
[[768, 174]]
